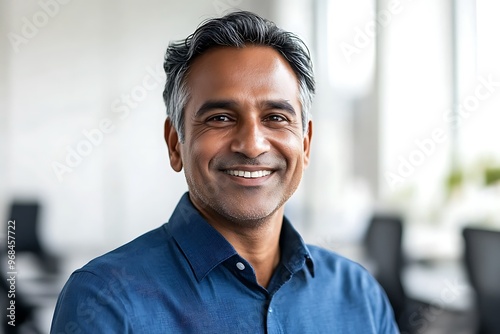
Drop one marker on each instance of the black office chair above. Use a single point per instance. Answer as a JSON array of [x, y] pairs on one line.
[[26, 215], [383, 242], [482, 260]]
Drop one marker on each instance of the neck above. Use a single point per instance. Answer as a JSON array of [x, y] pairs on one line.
[[259, 245]]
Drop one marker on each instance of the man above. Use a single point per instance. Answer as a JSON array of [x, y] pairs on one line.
[[238, 94]]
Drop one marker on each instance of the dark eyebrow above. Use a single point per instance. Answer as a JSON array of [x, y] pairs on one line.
[[215, 104], [279, 104], [231, 105]]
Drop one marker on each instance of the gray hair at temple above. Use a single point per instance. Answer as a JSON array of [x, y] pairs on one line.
[[235, 30]]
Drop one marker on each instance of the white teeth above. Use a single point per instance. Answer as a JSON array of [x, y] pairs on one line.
[[247, 174]]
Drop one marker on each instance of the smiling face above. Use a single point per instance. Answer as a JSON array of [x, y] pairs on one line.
[[244, 150]]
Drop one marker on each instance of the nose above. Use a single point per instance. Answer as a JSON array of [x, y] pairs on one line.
[[250, 139]]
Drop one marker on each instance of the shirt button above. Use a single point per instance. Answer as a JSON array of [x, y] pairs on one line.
[[270, 310], [240, 266]]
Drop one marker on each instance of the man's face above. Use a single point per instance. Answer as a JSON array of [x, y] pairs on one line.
[[244, 150]]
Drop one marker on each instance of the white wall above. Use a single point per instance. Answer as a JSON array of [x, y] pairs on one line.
[[4, 114], [415, 91]]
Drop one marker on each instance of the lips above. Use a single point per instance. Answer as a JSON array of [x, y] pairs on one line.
[[248, 174]]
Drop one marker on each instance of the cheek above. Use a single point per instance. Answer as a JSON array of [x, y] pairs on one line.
[[293, 150], [198, 156]]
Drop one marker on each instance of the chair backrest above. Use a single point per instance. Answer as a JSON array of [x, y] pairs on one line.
[[482, 260], [26, 215], [383, 242]]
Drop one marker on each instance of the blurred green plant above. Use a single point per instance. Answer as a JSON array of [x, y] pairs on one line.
[[454, 180], [491, 175]]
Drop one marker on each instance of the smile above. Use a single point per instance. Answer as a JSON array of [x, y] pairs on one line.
[[248, 174]]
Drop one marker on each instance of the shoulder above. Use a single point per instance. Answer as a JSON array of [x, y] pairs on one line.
[[344, 274], [146, 258], [352, 286], [144, 249], [335, 263], [128, 264], [97, 297]]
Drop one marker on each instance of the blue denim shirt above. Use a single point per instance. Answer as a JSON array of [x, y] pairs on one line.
[[184, 277]]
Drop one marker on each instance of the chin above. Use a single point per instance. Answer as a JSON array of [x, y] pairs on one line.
[[249, 218]]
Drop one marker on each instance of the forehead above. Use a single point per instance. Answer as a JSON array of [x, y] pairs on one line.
[[257, 71]]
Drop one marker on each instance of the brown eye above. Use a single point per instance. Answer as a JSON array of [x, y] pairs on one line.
[[275, 118], [219, 118]]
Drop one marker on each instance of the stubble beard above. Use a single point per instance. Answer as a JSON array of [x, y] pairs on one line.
[[247, 218]]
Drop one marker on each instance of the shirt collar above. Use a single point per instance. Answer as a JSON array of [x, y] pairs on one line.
[[294, 251], [205, 248]]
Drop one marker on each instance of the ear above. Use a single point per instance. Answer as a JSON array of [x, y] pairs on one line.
[[173, 144], [307, 143]]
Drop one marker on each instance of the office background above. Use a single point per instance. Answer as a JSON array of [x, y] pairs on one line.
[[405, 121]]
